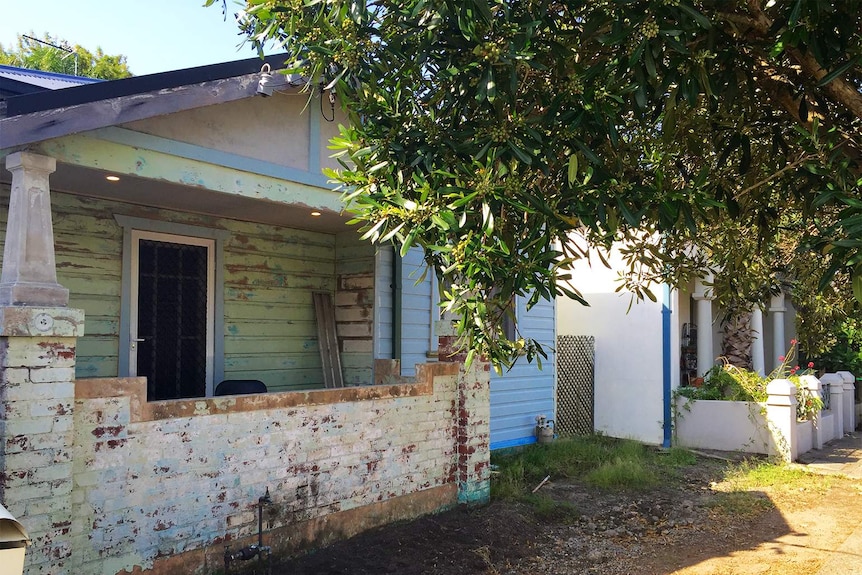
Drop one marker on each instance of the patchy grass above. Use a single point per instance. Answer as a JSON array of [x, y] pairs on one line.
[[549, 509], [750, 487], [753, 474], [741, 504], [678, 457], [623, 473], [603, 462]]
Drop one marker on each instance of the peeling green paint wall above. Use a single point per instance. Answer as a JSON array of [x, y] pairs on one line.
[[270, 332]]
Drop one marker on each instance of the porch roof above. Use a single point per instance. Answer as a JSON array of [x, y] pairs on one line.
[[33, 117], [81, 127]]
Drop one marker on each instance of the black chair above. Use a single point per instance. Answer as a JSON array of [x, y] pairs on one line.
[[240, 387]]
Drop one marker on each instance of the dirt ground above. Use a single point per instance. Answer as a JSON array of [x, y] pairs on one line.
[[689, 526]]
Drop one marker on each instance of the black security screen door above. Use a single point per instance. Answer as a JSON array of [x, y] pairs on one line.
[[172, 319]]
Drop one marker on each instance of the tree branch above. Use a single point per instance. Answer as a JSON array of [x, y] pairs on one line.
[[839, 89]]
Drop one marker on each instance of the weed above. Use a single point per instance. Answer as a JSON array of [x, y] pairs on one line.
[[622, 474], [677, 457], [549, 509], [602, 461], [753, 474], [742, 504]]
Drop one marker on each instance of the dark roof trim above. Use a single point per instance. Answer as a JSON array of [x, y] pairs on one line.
[[10, 88], [57, 122], [66, 97]]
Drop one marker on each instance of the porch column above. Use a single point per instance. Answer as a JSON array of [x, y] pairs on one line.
[[815, 388], [849, 400], [29, 275], [779, 345], [757, 357], [37, 375], [781, 416], [705, 353], [836, 401], [472, 419]]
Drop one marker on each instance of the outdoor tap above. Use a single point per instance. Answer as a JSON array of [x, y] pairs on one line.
[[265, 498], [258, 550], [260, 501]]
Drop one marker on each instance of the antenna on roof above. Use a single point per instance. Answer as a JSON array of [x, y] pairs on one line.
[[63, 48]]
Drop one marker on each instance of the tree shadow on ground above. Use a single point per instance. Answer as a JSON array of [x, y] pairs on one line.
[[577, 530]]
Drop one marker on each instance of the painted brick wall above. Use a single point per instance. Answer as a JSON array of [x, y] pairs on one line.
[[159, 479], [37, 394]]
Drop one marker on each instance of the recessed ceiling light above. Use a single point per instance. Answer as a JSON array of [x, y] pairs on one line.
[[315, 214], [112, 178]]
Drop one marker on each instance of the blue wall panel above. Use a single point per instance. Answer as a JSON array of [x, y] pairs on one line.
[[517, 395], [525, 391]]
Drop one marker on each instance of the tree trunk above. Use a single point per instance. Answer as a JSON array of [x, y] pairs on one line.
[[737, 339]]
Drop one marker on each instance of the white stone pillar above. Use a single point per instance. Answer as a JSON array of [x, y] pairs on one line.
[[836, 400], [758, 361], [849, 400], [814, 387], [779, 344], [705, 354], [781, 417], [29, 275]]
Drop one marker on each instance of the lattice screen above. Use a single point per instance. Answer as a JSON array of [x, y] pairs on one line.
[[575, 392]]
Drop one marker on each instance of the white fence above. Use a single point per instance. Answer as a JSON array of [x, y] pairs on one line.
[[772, 427]]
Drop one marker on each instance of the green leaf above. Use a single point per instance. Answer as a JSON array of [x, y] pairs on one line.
[[857, 284], [649, 63], [794, 14], [573, 169], [520, 154], [838, 71], [698, 17]]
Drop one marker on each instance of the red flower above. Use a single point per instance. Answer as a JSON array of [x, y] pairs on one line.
[[796, 368], [780, 358], [793, 342], [810, 364]]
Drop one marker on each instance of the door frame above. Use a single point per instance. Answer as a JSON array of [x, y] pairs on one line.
[[132, 224], [209, 244]]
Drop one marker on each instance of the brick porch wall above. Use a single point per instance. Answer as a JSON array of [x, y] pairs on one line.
[[165, 485]]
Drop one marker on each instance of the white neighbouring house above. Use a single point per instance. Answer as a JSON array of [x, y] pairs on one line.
[[641, 350]]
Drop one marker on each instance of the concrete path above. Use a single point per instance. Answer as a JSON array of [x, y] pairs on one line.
[[844, 457]]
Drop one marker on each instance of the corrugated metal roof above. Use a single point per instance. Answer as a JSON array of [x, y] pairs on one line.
[[45, 80]]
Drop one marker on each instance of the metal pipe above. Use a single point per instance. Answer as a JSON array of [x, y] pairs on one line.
[[252, 551], [261, 500], [666, 365], [397, 303]]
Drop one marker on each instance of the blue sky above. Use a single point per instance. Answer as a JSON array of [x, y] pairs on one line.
[[154, 35]]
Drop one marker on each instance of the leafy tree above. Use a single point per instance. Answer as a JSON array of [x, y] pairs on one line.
[[68, 59], [494, 133]]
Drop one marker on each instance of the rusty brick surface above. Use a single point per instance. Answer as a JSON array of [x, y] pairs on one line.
[[109, 483]]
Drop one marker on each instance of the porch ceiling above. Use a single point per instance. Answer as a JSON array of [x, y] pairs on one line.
[[168, 195]]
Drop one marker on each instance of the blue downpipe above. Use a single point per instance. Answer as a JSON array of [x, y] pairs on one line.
[[666, 373]]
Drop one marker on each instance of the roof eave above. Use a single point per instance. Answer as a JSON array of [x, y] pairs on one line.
[[65, 97], [26, 129]]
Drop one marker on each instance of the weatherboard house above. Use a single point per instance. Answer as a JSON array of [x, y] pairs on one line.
[[187, 324]]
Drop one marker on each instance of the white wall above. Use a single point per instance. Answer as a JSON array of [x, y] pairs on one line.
[[628, 366]]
